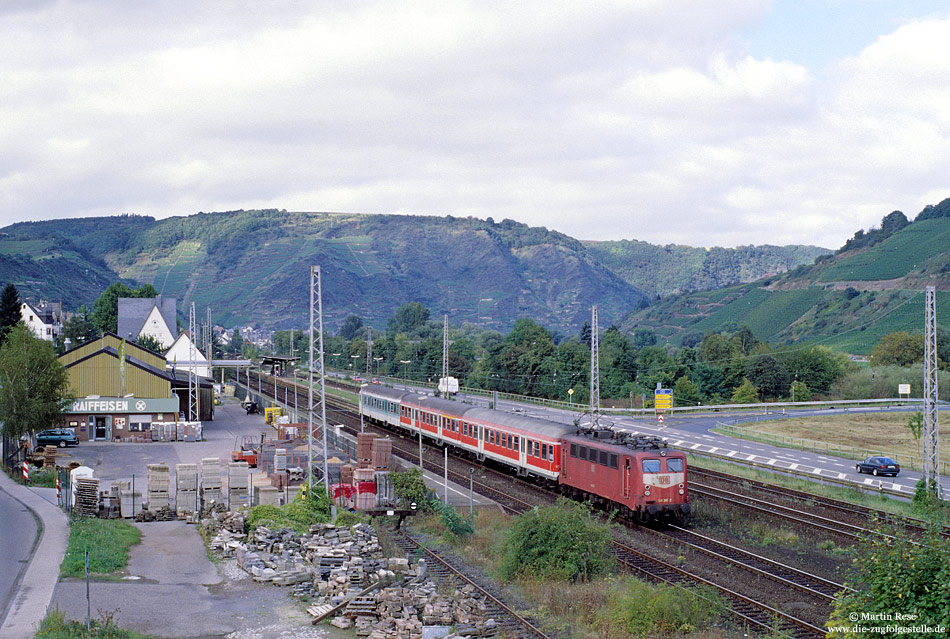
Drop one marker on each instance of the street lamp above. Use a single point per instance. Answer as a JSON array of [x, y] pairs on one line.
[[405, 367], [378, 360], [336, 355]]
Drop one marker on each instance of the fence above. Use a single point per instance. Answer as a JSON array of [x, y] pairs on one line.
[[813, 446]]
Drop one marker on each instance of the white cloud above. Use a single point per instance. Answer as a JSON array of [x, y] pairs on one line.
[[642, 120]]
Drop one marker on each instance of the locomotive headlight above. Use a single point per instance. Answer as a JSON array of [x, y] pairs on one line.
[[647, 491], [682, 492], [681, 486]]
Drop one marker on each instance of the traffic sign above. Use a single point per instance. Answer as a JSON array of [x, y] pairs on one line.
[[570, 391], [659, 418]]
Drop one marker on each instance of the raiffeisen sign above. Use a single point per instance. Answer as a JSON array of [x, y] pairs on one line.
[[87, 405]]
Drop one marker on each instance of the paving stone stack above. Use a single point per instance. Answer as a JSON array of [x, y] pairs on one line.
[[211, 480], [157, 479], [280, 460], [239, 481], [382, 453], [49, 456], [186, 484]]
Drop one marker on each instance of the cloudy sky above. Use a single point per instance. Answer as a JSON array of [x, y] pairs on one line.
[[706, 122]]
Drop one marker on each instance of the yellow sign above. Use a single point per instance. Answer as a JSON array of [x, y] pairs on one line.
[[663, 399]]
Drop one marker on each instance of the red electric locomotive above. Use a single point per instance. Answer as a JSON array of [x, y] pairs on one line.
[[634, 474]]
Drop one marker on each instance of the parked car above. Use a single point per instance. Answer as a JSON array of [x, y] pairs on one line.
[[878, 466], [58, 437]]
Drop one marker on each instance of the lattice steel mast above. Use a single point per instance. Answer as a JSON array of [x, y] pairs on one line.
[[594, 369], [931, 434], [445, 351], [193, 386], [316, 330]]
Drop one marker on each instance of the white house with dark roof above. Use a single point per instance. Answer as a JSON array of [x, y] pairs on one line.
[[178, 357], [44, 318], [152, 316]]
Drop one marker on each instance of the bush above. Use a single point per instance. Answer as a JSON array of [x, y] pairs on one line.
[[645, 610], [410, 488], [304, 511], [560, 542], [55, 626]]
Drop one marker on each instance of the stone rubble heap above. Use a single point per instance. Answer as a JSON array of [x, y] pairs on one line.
[[330, 566]]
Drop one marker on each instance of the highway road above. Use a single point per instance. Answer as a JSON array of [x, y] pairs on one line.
[[18, 533]]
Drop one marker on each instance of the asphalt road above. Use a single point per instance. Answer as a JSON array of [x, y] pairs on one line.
[[17, 535]]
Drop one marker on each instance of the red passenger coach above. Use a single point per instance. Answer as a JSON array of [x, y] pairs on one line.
[[638, 475]]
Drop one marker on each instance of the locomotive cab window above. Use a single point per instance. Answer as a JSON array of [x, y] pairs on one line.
[[652, 466], [674, 465], [573, 450]]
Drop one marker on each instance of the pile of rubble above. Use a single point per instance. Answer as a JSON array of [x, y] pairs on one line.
[[165, 513], [343, 574]]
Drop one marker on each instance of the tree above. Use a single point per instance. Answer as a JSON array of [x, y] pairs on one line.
[[686, 391], [151, 343], [408, 318], [900, 349], [817, 366], [9, 310], [237, 342], [643, 337], [768, 375], [79, 329], [800, 391], [745, 394], [35, 385], [105, 310], [351, 325]]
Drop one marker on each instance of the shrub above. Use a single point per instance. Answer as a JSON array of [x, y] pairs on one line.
[[645, 610], [305, 510], [560, 542]]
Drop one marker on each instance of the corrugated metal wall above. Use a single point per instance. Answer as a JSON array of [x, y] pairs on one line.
[[99, 375], [132, 350]]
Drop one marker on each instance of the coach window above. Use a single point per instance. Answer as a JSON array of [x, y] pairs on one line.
[[674, 465], [544, 451], [517, 439], [537, 449], [651, 465], [551, 453]]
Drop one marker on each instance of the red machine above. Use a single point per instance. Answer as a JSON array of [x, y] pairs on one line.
[[637, 474]]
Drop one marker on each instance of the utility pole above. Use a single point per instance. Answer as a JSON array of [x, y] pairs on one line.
[[369, 352], [931, 435], [594, 369], [316, 307], [193, 386]]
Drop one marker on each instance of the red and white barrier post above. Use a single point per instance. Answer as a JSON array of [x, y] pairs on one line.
[[26, 472]]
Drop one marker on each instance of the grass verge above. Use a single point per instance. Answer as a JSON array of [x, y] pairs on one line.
[[108, 542]]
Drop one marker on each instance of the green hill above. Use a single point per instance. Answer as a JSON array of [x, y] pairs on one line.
[[252, 267], [846, 301], [671, 269]]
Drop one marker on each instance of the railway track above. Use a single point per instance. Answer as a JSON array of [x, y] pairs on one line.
[[855, 512], [446, 573], [747, 610]]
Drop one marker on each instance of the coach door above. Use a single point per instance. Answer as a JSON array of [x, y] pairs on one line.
[[626, 477]]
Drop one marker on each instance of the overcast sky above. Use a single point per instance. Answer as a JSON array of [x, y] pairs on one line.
[[712, 122]]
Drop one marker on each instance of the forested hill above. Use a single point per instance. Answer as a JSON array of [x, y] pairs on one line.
[[252, 267], [870, 287], [665, 270]]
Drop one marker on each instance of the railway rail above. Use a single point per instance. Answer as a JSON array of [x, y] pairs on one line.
[[445, 572], [748, 611]]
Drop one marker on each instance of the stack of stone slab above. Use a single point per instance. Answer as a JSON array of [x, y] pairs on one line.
[[280, 460], [239, 481], [158, 480], [211, 480], [186, 484], [49, 456]]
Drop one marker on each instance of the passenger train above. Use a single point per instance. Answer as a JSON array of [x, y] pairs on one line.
[[637, 476]]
